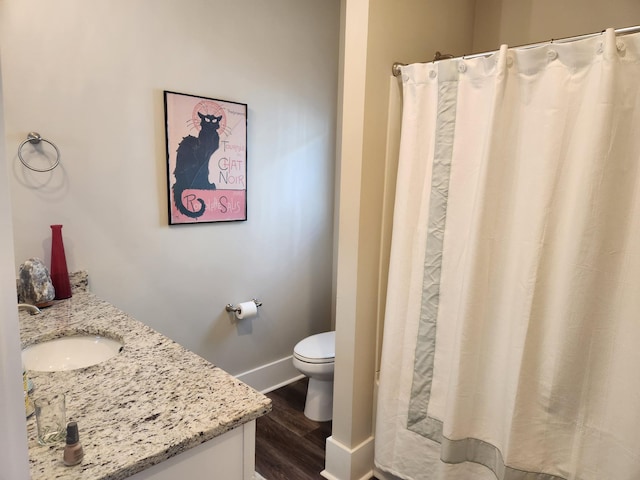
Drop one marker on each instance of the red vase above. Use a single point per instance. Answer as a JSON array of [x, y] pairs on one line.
[[59, 272]]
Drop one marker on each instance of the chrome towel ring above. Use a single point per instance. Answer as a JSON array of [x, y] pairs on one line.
[[35, 138]]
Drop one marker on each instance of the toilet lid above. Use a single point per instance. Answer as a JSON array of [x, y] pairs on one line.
[[320, 348]]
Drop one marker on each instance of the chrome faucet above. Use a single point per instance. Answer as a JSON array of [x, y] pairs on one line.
[[33, 310]]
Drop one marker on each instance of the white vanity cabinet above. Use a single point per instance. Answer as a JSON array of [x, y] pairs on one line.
[[230, 456]]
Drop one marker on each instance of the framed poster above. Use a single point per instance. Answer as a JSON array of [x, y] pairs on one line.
[[206, 159]]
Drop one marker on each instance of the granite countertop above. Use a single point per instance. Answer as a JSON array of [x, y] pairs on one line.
[[153, 400]]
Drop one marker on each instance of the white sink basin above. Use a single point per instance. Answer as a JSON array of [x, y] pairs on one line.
[[69, 353]]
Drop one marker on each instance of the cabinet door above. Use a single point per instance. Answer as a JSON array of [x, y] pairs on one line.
[[231, 456]]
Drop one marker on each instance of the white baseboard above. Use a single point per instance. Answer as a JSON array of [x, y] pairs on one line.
[[343, 463], [272, 375]]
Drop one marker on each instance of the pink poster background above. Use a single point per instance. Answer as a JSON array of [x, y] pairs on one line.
[[220, 205]]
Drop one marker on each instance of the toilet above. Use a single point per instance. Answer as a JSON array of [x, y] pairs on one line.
[[314, 357]]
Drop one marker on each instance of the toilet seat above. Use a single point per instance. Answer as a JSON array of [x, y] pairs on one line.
[[319, 348]]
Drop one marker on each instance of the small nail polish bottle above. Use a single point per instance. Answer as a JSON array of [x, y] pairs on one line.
[[73, 452]]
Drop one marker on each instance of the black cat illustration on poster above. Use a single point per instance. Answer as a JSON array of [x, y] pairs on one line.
[[192, 163]]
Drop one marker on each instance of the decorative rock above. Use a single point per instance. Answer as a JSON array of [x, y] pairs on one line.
[[34, 283]]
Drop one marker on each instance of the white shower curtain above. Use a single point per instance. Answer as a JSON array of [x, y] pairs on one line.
[[512, 331]]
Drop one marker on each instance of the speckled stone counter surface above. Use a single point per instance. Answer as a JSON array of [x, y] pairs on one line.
[[153, 400]]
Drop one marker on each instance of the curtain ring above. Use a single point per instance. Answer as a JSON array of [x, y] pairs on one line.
[[35, 138]]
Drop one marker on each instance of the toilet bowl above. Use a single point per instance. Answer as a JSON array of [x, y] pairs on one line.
[[314, 357]]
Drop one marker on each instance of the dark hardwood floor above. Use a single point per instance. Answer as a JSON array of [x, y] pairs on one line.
[[289, 446]]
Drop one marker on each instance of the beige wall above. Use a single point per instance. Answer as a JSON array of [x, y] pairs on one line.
[[518, 22]]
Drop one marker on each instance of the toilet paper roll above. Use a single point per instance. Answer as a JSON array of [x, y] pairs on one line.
[[246, 310]]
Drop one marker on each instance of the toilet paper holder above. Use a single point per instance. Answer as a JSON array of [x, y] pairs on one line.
[[231, 308]]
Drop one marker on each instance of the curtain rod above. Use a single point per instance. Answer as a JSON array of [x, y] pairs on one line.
[[395, 68]]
